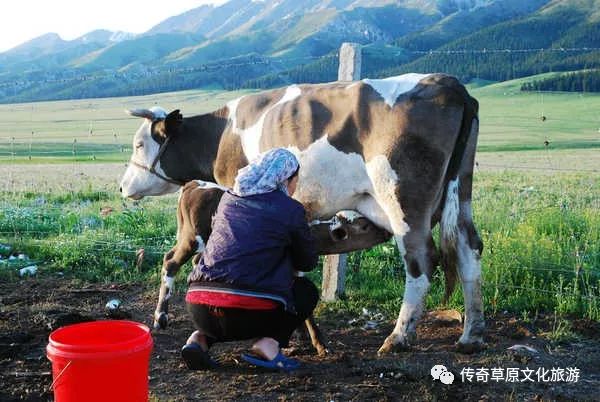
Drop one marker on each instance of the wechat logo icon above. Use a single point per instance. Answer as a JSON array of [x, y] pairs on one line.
[[440, 372]]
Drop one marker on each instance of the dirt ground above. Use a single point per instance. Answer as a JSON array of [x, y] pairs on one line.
[[30, 308]]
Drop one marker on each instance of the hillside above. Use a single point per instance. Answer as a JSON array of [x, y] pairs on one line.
[[554, 38], [273, 42]]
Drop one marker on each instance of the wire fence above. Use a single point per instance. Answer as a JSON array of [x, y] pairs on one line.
[[37, 141], [91, 142], [149, 71], [538, 168], [38, 212]]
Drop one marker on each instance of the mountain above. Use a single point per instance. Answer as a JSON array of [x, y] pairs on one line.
[[189, 22], [50, 51], [44, 44], [104, 37], [140, 50], [52, 43], [511, 49], [461, 20], [262, 43]]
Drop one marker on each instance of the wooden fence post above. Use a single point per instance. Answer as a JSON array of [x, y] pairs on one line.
[[334, 266], [350, 62], [334, 277]]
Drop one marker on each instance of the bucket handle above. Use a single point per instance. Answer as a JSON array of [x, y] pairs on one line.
[[60, 374]]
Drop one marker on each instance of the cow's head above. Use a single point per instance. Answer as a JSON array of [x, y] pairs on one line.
[[144, 175]]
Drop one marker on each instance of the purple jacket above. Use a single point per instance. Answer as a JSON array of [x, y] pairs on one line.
[[256, 243]]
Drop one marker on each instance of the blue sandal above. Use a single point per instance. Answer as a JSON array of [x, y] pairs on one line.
[[197, 358], [280, 362]]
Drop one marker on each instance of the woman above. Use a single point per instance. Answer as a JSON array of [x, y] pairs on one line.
[[244, 286]]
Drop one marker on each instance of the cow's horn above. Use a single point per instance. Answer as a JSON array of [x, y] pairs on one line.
[[145, 113]]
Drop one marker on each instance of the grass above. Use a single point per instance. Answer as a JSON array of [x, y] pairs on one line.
[[512, 120], [542, 250], [95, 121], [561, 331], [536, 205], [89, 130], [542, 246]]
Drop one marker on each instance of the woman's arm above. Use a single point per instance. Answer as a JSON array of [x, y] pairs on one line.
[[304, 247]]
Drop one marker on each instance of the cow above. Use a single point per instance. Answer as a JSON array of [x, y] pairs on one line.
[[400, 151], [198, 202]]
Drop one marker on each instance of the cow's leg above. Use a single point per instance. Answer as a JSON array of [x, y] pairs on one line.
[[172, 262], [462, 246], [418, 253], [468, 250], [469, 272], [414, 243]]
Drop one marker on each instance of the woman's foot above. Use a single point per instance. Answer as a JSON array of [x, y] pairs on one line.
[[267, 348], [199, 338], [195, 353], [278, 363], [266, 354]]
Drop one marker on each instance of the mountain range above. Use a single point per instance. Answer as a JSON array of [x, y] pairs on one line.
[[265, 43]]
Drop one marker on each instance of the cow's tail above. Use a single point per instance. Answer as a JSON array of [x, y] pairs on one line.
[[449, 221]]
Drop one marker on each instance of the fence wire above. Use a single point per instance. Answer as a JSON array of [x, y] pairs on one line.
[[14, 150], [542, 168]]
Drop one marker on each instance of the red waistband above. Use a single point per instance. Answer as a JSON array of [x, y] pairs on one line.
[[224, 299]]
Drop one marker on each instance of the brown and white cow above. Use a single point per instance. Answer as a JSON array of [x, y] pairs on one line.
[[400, 151], [198, 202]]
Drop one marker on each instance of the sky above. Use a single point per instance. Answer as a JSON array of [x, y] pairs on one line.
[[23, 20]]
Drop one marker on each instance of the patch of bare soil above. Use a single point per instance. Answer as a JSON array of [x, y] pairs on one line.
[[31, 308]]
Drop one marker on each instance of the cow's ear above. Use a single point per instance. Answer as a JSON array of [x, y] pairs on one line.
[[172, 122]]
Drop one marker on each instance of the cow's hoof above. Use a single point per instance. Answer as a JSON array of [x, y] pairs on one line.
[[396, 343], [161, 321], [470, 347], [389, 347], [386, 348]]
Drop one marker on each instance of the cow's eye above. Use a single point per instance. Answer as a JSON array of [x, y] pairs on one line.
[[139, 145]]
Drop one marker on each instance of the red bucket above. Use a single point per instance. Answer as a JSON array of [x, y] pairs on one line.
[[100, 361]]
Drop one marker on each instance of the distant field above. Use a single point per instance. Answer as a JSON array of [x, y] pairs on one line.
[[99, 130], [105, 117], [57, 174], [512, 120], [88, 130]]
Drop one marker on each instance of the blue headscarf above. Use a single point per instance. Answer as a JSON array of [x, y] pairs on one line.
[[268, 172]]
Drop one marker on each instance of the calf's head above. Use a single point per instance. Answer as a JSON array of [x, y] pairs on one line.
[[145, 175], [347, 233]]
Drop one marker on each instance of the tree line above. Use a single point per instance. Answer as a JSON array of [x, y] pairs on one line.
[[579, 81]]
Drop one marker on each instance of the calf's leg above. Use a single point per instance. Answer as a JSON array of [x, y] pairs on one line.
[[172, 262], [317, 338]]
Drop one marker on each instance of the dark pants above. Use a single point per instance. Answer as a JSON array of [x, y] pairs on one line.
[[222, 324]]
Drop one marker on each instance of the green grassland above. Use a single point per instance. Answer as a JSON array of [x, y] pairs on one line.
[[512, 120], [542, 246], [99, 130], [536, 206], [88, 130]]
